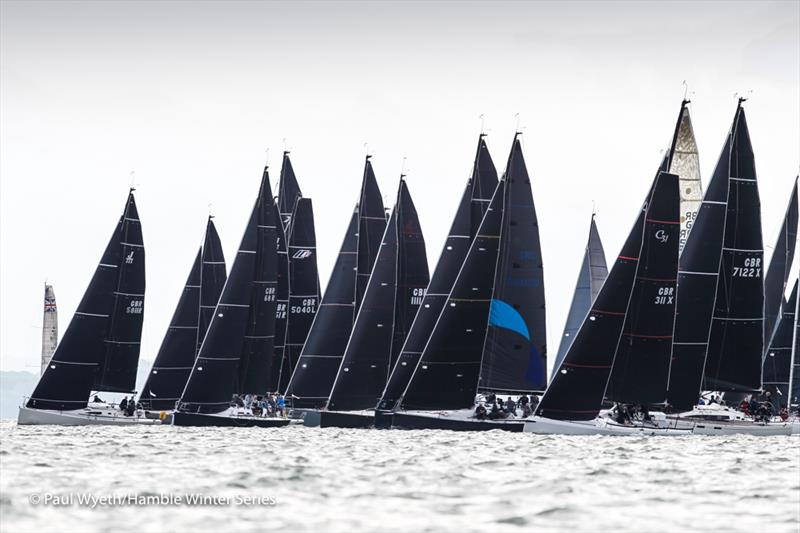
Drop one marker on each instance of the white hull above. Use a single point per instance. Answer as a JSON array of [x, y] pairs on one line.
[[598, 426], [89, 416], [721, 420]]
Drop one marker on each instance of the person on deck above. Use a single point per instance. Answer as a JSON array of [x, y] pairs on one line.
[[280, 405], [511, 407], [123, 405], [480, 412]]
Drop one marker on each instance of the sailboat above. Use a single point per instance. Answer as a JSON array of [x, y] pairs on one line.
[[471, 209], [391, 299], [591, 277], [303, 289], [631, 318], [490, 334], [100, 349], [237, 352], [49, 327], [321, 355], [719, 328], [188, 326], [775, 282]]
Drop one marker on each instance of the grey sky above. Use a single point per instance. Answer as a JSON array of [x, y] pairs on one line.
[[190, 94]]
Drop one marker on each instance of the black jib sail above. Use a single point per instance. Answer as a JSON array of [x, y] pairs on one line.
[[778, 359], [515, 349], [719, 311], [178, 350], [371, 225], [327, 339], [447, 373], [590, 278], [471, 209], [640, 370], [794, 373], [303, 288], [212, 280], [100, 349], [217, 374], [778, 271], [577, 388], [281, 310], [288, 191], [391, 300]]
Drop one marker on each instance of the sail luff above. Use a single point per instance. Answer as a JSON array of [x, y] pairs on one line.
[[778, 356], [288, 191]]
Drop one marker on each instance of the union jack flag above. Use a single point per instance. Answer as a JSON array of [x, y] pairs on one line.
[[49, 305]]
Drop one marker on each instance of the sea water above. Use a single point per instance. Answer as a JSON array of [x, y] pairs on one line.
[[140, 479]]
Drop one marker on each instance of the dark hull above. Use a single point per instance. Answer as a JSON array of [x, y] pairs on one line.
[[201, 420], [411, 421], [335, 419]]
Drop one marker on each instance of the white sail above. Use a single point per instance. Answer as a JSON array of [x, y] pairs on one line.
[[49, 326], [685, 162]]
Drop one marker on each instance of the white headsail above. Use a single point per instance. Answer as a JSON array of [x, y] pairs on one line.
[[49, 326]]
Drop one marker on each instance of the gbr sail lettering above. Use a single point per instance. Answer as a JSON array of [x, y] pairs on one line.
[[135, 307], [307, 306], [665, 296], [751, 268]]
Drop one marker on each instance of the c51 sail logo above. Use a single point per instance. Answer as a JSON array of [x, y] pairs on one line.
[[661, 236]]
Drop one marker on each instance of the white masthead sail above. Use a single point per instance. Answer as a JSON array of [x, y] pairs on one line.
[[685, 163], [49, 326]]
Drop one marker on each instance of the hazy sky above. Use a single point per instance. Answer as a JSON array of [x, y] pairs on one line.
[[190, 94]]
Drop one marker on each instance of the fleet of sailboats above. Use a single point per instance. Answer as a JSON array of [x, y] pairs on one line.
[[686, 311]]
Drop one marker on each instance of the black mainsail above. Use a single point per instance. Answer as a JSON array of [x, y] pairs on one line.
[[490, 333], [281, 309], [579, 384], [392, 297], [303, 288], [778, 359], [100, 349], [591, 277], [178, 350], [288, 191], [778, 271], [794, 373], [239, 338], [469, 214], [718, 339], [315, 371], [515, 349]]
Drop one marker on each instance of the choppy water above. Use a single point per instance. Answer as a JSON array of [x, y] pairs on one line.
[[353, 480]]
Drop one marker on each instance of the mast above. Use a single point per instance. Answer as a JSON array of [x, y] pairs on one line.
[[281, 309], [794, 370], [684, 160], [303, 287], [515, 347], [778, 357], [49, 326], [473, 205], [216, 373], [778, 272], [392, 296], [320, 358], [180, 346], [100, 348], [719, 313], [577, 388], [591, 277]]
